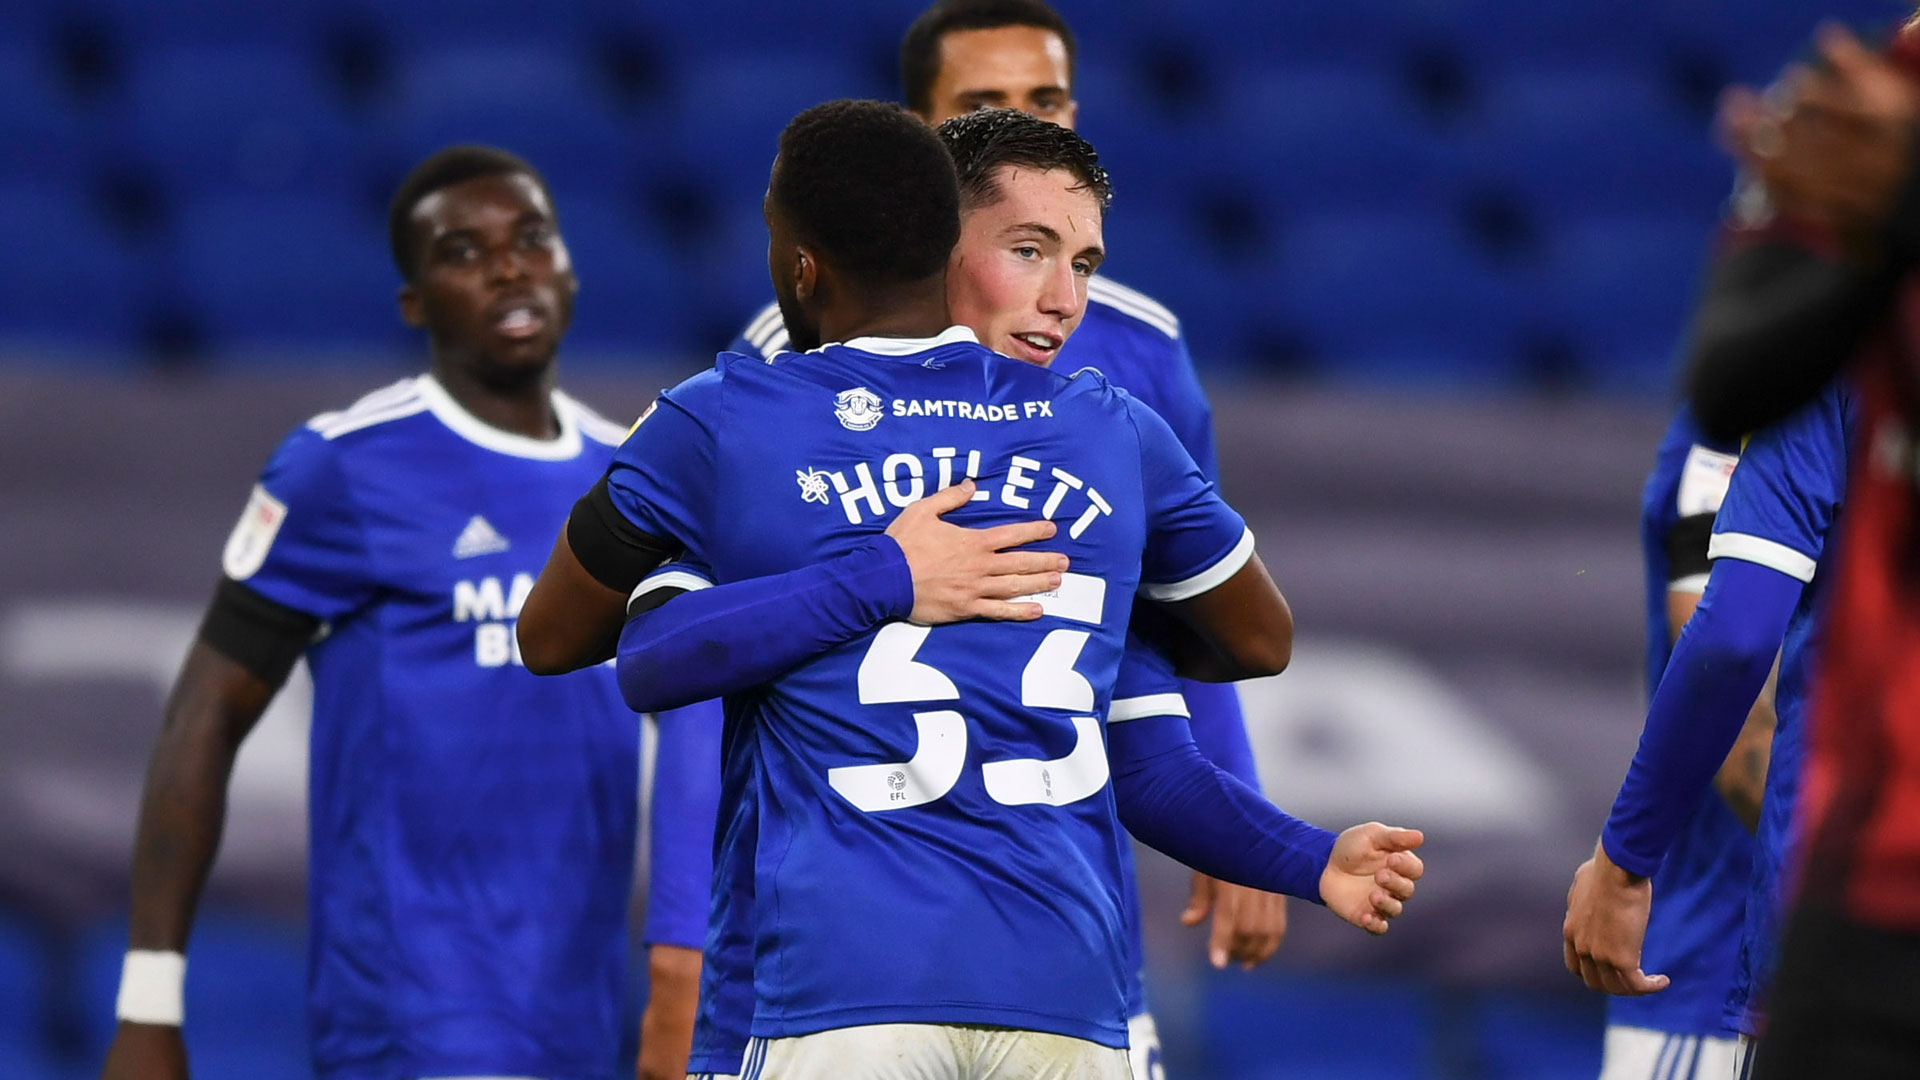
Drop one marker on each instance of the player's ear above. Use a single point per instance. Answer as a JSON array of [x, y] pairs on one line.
[[412, 312], [806, 274]]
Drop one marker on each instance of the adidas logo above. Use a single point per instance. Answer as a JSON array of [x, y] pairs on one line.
[[478, 538]]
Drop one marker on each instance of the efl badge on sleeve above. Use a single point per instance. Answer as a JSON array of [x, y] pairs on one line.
[[253, 536]]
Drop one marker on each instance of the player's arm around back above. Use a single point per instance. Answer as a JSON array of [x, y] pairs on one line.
[[215, 702]]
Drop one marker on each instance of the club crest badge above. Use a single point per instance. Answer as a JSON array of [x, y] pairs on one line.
[[857, 409]]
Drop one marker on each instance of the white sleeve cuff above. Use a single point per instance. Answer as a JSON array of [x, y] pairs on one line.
[[671, 579], [1139, 708], [1763, 552], [1206, 580]]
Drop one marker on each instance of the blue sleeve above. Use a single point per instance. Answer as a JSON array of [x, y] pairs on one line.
[[1195, 540], [722, 639], [300, 541], [1179, 803], [1787, 490], [1184, 407], [1717, 669], [1220, 728], [662, 479], [680, 825]]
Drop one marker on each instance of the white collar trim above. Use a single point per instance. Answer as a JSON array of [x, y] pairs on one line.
[[480, 433], [897, 346]]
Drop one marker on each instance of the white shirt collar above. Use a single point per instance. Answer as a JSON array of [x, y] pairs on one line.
[[898, 346], [480, 433]]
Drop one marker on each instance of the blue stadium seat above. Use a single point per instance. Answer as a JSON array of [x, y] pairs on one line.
[[1526, 1036], [630, 288], [1299, 1027], [80, 287], [141, 23], [436, 24], [23, 978], [1622, 286], [218, 119], [246, 996], [284, 272], [730, 115], [47, 135], [1505, 31], [1401, 298], [1594, 140], [543, 104], [756, 26]]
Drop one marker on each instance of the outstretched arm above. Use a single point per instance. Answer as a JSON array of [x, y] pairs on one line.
[[1174, 800]]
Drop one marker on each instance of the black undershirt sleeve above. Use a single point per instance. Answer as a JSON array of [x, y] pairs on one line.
[[1687, 543], [1777, 322], [610, 547], [259, 634]]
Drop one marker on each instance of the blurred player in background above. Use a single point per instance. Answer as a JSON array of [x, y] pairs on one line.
[[1769, 542], [472, 826], [1700, 890], [961, 55], [1835, 147]]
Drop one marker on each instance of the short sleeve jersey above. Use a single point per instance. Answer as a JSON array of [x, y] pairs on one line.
[[1699, 893], [1779, 513], [472, 826], [958, 772]]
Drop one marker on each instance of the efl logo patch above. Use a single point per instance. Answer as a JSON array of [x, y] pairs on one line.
[[252, 537], [857, 409]]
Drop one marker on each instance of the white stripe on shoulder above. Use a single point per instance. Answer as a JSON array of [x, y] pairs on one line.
[[763, 325], [1762, 552], [1206, 580], [338, 424], [1139, 305], [592, 424], [378, 403], [776, 345], [1138, 708]]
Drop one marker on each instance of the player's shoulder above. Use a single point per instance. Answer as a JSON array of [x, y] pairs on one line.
[[374, 410], [1116, 305]]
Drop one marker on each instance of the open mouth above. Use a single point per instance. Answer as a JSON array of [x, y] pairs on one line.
[[1037, 347], [520, 321]]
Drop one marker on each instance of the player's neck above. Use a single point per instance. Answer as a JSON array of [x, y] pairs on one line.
[[915, 311], [520, 402]]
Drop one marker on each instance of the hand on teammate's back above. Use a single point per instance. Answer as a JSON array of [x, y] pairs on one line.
[[961, 573], [1370, 875], [146, 1052], [1248, 925], [1606, 923], [1834, 142]]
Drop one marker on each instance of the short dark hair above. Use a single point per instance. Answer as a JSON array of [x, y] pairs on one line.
[[872, 187], [920, 49], [983, 140], [444, 169]]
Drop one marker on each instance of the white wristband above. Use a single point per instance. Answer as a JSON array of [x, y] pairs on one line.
[[152, 986]]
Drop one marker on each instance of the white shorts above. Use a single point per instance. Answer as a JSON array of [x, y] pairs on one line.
[[1644, 1054], [932, 1052], [1143, 1048]]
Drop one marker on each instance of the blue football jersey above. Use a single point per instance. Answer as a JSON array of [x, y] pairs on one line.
[[1780, 510], [936, 839], [1138, 345], [472, 825], [1699, 893]]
